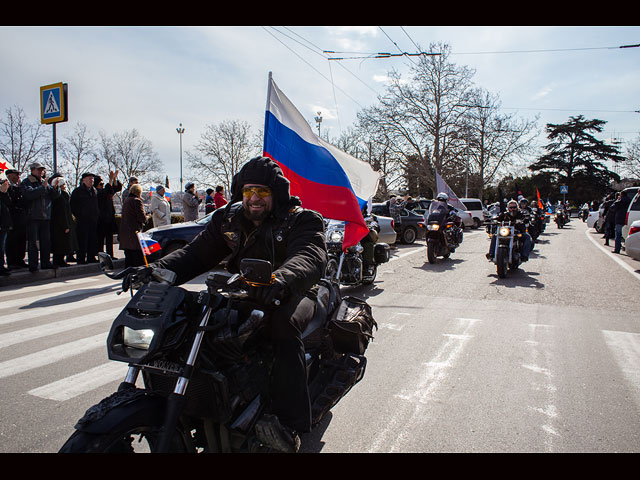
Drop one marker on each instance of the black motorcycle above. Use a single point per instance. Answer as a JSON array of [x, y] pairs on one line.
[[348, 268], [561, 218], [508, 245], [444, 233], [205, 364]]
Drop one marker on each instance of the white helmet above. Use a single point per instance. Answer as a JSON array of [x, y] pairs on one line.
[[443, 197]]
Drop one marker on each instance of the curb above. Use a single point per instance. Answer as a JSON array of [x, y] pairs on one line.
[[24, 276]]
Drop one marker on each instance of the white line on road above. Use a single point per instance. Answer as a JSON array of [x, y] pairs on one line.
[[50, 286], [83, 382], [614, 256], [625, 347], [436, 373], [51, 355], [64, 308], [40, 331]]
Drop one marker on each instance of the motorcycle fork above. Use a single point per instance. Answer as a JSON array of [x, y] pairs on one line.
[[176, 399]]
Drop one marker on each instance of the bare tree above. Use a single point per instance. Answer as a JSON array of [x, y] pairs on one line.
[[631, 166], [494, 142], [23, 142], [422, 117], [222, 150], [132, 155], [78, 153]]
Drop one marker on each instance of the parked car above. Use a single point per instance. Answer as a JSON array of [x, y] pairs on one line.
[[633, 214], [421, 206], [474, 207], [177, 235], [412, 227], [629, 192], [386, 234], [592, 218], [632, 242]]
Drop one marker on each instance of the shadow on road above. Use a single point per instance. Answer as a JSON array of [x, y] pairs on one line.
[[518, 278]]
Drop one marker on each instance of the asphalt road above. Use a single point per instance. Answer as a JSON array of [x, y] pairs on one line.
[[545, 360]]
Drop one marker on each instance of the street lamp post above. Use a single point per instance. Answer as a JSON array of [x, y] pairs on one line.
[[180, 131], [318, 120]]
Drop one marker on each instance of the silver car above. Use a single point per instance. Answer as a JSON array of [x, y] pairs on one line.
[[386, 235]]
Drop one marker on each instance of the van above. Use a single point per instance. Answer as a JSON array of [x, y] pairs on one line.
[[633, 213], [474, 207]]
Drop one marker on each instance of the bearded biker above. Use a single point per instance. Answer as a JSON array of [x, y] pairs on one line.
[[263, 221], [514, 216]]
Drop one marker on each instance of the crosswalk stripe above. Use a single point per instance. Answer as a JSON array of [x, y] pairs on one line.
[[67, 308], [82, 382], [39, 300], [40, 331], [51, 355], [24, 291]]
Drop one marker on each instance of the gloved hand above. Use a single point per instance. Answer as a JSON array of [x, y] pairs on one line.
[[273, 294]]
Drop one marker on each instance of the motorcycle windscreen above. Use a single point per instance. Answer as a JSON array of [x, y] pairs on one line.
[[437, 212]]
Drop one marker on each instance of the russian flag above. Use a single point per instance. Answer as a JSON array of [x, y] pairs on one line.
[[167, 193], [148, 244], [326, 179]]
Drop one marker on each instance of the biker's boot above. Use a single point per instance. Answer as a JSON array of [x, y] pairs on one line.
[[271, 433]]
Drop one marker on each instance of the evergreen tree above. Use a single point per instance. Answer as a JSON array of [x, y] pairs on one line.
[[576, 158]]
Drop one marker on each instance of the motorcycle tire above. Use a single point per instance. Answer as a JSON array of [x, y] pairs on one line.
[[128, 434], [502, 262], [330, 271], [431, 251], [369, 279]]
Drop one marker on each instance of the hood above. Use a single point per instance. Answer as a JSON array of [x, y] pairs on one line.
[[262, 171]]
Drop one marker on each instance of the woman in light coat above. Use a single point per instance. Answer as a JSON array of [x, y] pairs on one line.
[[160, 208]]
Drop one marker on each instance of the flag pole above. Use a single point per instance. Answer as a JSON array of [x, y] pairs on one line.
[[266, 114], [143, 244]]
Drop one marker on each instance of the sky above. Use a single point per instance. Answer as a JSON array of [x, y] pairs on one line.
[[154, 78]]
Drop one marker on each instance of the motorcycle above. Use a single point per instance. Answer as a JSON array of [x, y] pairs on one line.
[[508, 246], [560, 218], [347, 268], [444, 235], [205, 363]]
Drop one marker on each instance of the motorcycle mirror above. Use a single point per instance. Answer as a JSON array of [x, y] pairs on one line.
[[106, 263], [255, 270]]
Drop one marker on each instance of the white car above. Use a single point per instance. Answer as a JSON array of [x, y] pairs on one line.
[[632, 243], [592, 218], [633, 214]]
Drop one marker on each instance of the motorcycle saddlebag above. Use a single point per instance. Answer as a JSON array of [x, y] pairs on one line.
[[381, 253], [351, 326]]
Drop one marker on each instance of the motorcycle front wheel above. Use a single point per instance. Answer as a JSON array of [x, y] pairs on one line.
[[431, 251], [127, 434], [502, 262]]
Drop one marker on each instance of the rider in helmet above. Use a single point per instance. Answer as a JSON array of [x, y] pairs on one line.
[[515, 216]]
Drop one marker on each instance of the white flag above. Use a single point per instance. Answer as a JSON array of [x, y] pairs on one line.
[[442, 186]]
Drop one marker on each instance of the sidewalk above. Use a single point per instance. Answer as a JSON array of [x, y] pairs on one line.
[[23, 276]]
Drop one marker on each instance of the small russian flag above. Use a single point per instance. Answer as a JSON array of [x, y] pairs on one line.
[[148, 244]]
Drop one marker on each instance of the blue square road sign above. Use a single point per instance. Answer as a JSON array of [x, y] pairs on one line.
[[53, 103]]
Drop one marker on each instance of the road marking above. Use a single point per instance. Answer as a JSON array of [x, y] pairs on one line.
[[50, 286], [625, 347], [51, 355], [614, 256], [82, 382], [40, 331], [64, 308], [36, 301], [432, 378]]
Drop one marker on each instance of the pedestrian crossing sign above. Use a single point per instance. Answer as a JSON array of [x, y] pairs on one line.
[[53, 103]]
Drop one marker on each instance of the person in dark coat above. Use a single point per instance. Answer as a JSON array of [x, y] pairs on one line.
[[610, 219], [263, 221], [38, 194], [16, 246], [107, 212], [84, 206], [5, 222], [209, 204], [63, 238], [132, 221], [621, 207]]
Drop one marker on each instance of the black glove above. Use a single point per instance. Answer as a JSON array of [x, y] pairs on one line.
[[275, 294]]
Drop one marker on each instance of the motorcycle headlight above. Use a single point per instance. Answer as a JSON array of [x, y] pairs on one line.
[[505, 231], [335, 236], [433, 226], [140, 339]]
